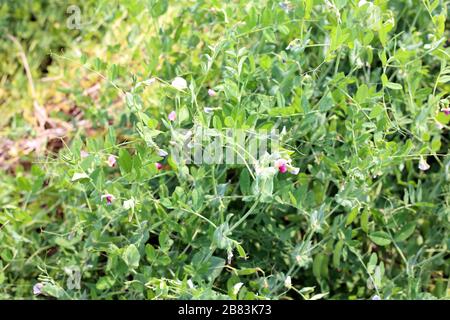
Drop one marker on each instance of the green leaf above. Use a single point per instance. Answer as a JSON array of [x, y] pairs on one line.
[[7, 255], [215, 267], [317, 265], [372, 262], [157, 7], [362, 94], [183, 114], [104, 283], [244, 182], [376, 111], [351, 216], [406, 231], [326, 103], [113, 72], [384, 79], [131, 256], [444, 79], [383, 58], [337, 254], [394, 86], [150, 253], [53, 290], [247, 271], [220, 238], [125, 161], [365, 221], [241, 251], [318, 296], [79, 176], [164, 240], [380, 238]]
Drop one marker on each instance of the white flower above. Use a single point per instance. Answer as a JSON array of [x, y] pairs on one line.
[[265, 171], [149, 81], [229, 256], [361, 3], [212, 93], [237, 287], [288, 282], [294, 170], [162, 153], [179, 83], [190, 284], [129, 204], [376, 297], [208, 110], [84, 154], [423, 165]]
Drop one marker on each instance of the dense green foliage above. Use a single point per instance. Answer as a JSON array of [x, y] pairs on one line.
[[361, 89]]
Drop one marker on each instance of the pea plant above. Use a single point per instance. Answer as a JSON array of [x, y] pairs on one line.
[[245, 150]]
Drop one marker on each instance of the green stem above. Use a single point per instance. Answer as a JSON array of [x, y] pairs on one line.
[[249, 212]]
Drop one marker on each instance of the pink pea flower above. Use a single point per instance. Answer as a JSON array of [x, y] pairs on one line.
[[212, 93], [172, 116], [83, 154], [158, 165], [112, 161], [109, 198], [446, 111], [282, 168], [281, 165]]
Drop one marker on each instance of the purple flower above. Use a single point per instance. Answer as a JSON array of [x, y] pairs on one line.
[[109, 198], [37, 288], [172, 116], [281, 165], [212, 93], [112, 161]]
